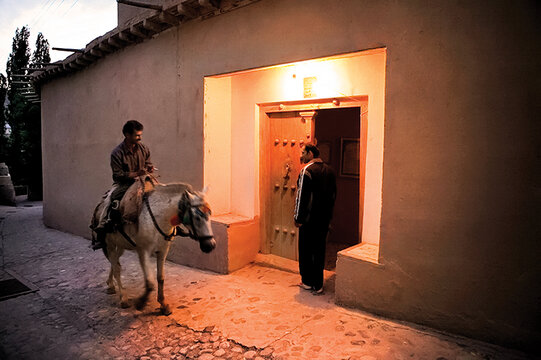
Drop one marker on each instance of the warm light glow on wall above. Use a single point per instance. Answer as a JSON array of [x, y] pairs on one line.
[[232, 129], [326, 82]]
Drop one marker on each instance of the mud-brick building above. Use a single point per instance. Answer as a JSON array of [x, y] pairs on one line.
[[428, 111]]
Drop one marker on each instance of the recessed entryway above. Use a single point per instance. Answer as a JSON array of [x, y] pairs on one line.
[[238, 109]]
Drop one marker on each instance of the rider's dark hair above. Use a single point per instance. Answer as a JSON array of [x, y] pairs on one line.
[[131, 126], [312, 148]]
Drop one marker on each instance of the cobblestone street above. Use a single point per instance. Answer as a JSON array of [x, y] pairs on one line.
[[254, 313]]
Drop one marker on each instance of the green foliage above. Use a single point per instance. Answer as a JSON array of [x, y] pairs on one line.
[[21, 144], [3, 123], [20, 52], [41, 54]]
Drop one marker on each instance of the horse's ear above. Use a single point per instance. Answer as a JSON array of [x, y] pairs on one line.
[[205, 190]]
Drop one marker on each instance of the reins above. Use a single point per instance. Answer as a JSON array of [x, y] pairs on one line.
[[126, 236], [165, 236]]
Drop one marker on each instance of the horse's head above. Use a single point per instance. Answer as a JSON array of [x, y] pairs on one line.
[[194, 213]]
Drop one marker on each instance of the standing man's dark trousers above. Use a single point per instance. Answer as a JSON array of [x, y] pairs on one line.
[[312, 242]]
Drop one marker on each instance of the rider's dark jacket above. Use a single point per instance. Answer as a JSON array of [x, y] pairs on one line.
[[124, 161]]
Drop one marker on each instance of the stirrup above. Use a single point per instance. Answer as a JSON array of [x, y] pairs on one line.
[[115, 205]]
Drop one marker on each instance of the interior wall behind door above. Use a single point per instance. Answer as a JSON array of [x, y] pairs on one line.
[[330, 126]]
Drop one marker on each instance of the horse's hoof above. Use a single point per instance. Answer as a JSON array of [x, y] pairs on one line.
[[166, 310], [110, 290], [124, 304], [140, 303]]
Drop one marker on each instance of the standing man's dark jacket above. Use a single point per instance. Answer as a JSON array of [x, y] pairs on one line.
[[316, 193]]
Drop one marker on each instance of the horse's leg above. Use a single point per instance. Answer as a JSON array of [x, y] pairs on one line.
[[110, 282], [161, 254], [149, 286], [115, 253]]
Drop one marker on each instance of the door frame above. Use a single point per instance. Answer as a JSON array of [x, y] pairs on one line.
[[265, 143]]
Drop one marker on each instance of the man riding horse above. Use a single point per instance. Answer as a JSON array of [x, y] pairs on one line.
[[129, 160], [140, 214]]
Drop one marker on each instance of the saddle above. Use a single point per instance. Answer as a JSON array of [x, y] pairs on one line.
[[132, 203]]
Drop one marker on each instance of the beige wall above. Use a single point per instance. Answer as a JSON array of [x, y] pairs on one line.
[[460, 209], [83, 116]]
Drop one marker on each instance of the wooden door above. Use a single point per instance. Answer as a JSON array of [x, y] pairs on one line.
[[289, 131]]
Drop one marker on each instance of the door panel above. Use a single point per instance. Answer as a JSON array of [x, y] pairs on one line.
[[288, 132]]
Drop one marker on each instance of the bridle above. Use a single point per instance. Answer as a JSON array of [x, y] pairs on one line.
[[185, 215], [165, 236]]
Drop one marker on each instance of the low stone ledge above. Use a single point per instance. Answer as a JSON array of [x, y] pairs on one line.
[[237, 244]]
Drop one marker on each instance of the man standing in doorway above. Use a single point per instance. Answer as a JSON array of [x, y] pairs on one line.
[[129, 160], [316, 193]]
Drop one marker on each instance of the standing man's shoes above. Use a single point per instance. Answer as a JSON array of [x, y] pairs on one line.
[[318, 292], [304, 286]]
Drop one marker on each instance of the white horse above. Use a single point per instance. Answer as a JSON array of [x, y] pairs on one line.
[[167, 211]]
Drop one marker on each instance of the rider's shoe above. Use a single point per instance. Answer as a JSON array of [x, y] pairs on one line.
[[98, 242]]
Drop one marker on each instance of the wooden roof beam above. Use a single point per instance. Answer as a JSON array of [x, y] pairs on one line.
[[114, 43], [68, 49], [88, 57], [54, 70], [134, 30], [97, 53], [67, 67], [79, 60], [127, 37], [74, 65], [168, 18], [48, 64], [105, 47], [187, 11], [152, 26], [210, 4]]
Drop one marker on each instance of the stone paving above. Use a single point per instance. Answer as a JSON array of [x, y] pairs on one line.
[[257, 312]]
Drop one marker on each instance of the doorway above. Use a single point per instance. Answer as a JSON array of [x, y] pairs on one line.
[[289, 131], [338, 132]]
